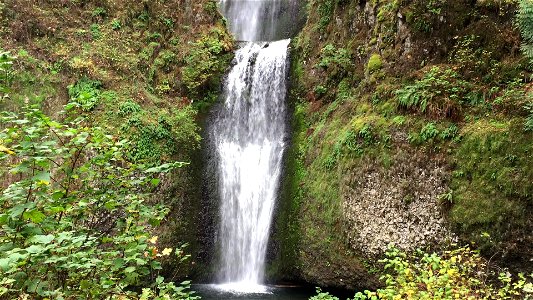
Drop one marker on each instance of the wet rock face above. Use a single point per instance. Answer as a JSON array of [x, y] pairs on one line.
[[398, 205]]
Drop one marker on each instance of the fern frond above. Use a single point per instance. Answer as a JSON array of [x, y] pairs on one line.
[[524, 19]]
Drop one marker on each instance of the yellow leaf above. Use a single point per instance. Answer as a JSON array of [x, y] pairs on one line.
[[167, 251], [6, 150], [153, 240]]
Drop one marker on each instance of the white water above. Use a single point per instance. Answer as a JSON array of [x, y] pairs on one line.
[[249, 135], [262, 20]]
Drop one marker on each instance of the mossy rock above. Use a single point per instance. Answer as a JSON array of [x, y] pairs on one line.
[[374, 63]]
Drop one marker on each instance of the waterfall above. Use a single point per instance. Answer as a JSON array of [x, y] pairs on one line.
[[263, 20], [248, 136]]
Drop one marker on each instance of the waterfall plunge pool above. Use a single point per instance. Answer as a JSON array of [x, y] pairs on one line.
[[245, 291]]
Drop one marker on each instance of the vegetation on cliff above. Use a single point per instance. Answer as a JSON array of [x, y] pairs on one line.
[[416, 113], [139, 74]]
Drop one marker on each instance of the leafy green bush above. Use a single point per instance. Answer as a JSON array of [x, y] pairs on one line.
[[211, 7], [472, 59], [429, 132], [99, 12], [96, 33], [525, 24], [77, 217], [425, 15], [116, 25], [456, 274], [320, 90], [331, 56], [337, 62], [128, 107], [352, 142], [325, 12], [320, 295], [85, 93]]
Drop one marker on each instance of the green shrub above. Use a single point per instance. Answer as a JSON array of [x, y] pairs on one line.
[[99, 12], [431, 133], [206, 62], [450, 133], [320, 295], [76, 219], [96, 33], [159, 140], [85, 93], [428, 132], [456, 274], [330, 56], [471, 57], [116, 25], [325, 12], [128, 108], [337, 62], [211, 7], [425, 15], [320, 90]]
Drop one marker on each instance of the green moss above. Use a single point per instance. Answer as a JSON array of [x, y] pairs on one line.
[[492, 181], [287, 231], [374, 63]]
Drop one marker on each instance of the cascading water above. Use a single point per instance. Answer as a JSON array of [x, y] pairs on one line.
[[250, 143], [248, 134], [262, 20]]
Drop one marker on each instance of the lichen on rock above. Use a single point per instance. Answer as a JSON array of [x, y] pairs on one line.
[[398, 205]]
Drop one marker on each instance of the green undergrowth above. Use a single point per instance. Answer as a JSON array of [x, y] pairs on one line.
[[134, 69], [27, 80], [78, 215], [460, 273]]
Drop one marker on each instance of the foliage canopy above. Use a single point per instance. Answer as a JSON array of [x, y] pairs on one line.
[[76, 219]]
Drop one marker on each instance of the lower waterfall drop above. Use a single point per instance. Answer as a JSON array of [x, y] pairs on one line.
[[249, 138]]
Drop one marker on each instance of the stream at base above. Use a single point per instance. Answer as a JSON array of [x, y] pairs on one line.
[[223, 292], [263, 292]]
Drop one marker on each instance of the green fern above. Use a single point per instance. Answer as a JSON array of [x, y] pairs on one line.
[[525, 25]]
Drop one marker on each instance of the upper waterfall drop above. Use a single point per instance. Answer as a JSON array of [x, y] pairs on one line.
[[262, 20]]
